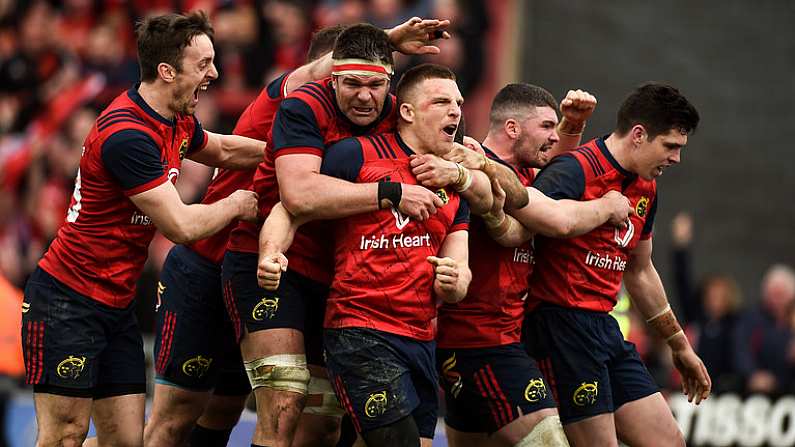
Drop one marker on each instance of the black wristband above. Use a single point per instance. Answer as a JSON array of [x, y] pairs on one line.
[[391, 191]]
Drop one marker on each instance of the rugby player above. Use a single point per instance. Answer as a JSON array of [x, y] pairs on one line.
[[604, 391]]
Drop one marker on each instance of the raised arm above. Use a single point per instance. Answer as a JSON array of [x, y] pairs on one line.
[[648, 295], [575, 109]]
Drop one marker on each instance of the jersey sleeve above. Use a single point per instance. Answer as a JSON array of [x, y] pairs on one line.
[[461, 219], [133, 159], [276, 87], [296, 130], [563, 178], [343, 160], [199, 139], [648, 226]]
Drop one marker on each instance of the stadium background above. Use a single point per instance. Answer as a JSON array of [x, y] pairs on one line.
[[62, 61]]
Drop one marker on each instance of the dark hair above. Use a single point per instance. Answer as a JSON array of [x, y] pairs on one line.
[[659, 108], [415, 75], [515, 100], [364, 41], [323, 41], [162, 39]]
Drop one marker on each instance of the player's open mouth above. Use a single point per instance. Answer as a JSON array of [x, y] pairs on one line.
[[363, 110], [201, 87], [450, 129]]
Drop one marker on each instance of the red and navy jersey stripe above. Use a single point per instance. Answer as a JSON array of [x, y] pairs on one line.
[[586, 272], [308, 121], [100, 250], [382, 279]]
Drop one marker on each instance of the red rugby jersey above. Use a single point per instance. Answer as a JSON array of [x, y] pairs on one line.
[[307, 122], [491, 313], [101, 248], [255, 122], [585, 272], [382, 279]]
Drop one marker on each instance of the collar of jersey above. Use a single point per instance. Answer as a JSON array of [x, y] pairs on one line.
[[139, 100], [603, 147], [406, 149], [360, 130]]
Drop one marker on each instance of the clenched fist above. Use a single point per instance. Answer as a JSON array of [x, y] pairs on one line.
[[577, 106], [445, 283], [618, 206], [269, 270]]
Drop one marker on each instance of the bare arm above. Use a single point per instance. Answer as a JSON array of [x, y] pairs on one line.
[[515, 193], [275, 238], [183, 223], [311, 195], [576, 108], [645, 287], [435, 173], [317, 69], [570, 218], [230, 152], [452, 268], [411, 37]]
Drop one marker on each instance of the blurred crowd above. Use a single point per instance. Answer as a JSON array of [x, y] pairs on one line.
[[747, 345], [61, 62]]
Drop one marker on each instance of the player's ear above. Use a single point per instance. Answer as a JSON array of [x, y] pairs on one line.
[[638, 134], [166, 72], [407, 112], [512, 128]]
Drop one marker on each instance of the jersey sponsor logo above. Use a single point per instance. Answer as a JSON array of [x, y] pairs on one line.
[[522, 256], [71, 367], [394, 241], [586, 394], [25, 307], [642, 207], [266, 308], [452, 377], [623, 236], [535, 390], [401, 220], [375, 405], [606, 262], [197, 366], [442, 194], [183, 148], [140, 219]]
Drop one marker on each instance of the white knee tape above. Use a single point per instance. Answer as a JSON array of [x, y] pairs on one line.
[[282, 372], [321, 399], [548, 432]]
